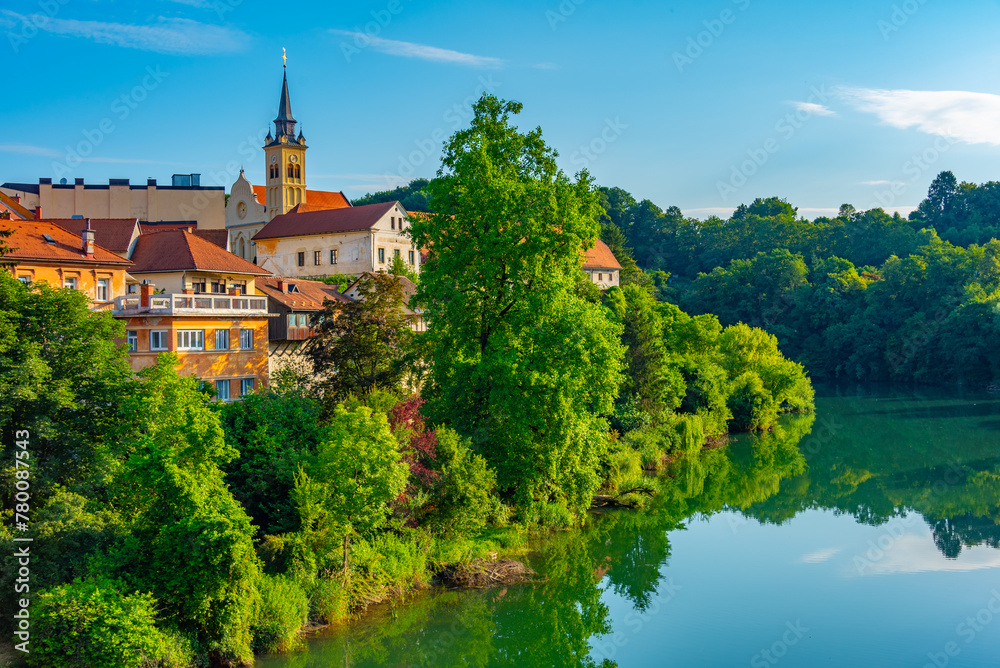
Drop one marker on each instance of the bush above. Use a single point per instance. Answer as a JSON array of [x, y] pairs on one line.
[[284, 610], [92, 624], [753, 407], [330, 601], [464, 495]]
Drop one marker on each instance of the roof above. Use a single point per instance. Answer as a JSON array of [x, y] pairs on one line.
[[600, 257], [284, 104], [29, 244], [149, 228], [180, 250], [315, 199], [327, 221], [12, 205], [115, 234], [308, 295], [22, 187], [218, 237]]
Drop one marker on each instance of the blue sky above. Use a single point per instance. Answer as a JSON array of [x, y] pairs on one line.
[[701, 105]]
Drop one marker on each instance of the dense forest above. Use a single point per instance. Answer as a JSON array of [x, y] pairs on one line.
[[169, 529], [862, 296]]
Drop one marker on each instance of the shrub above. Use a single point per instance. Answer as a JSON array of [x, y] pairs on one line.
[[284, 610], [92, 624], [330, 601], [753, 407], [464, 495]]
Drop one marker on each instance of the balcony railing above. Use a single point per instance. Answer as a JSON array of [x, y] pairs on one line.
[[192, 304]]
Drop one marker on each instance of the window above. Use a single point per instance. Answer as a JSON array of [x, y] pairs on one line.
[[410, 257], [396, 253], [132, 339], [132, 288], [600, 277], [70, 282], [190, 339], [24, 278], [381, 255], [198, 285], [393, 223], [222, 339], [246, 339], [241, 286], [317, 257], [246, 386], [158, 339], [218, 287], [103, 289], [302, 259], [222, 390], [333, 257]]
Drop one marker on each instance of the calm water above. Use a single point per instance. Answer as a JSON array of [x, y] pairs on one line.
[[866, 535]]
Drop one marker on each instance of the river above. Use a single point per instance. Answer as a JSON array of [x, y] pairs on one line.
[[864, 535]]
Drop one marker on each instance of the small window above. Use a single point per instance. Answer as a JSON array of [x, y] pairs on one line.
[[24, 278], [600, 277], [222, 390], [241, 287], [303, 319], [246, 339], [198, 286], [246, 386], [410, 257], [302, 259], [132, 340], [190, 339], [333, 257], [48, 239], [70, 282], [393, 219], [218, 287], [158, 339], [222, 339], [317, 257], [132, 288], [103, 289], [381, 255], [396, 253]]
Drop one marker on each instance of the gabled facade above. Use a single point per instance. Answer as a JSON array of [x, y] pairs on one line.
[[336, 241], [45, 252], [601, 266]]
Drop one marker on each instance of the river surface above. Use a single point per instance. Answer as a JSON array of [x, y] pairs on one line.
[[864, 535]]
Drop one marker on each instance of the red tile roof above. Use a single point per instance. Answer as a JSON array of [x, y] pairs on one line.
[[218, 237], [307, 295], [320, 199], [115, 234], [180, 250], [600, 257], [149, 228], [29, 244], [328, 221]]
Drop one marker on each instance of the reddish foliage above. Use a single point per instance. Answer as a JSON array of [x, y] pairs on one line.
[[423, 441]]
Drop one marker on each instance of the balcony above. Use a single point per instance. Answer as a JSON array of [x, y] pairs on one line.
[[204, 304]]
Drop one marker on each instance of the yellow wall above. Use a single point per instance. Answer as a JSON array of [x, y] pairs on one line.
[[86, 277], [210, 364]]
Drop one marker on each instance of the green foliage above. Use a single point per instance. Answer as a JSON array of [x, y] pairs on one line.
[[499, 288], [463, 497], [94, 624], [339, 281], [753, 407], [415, 196], [398, 267], [360, 344], [329, 600], [283, 611]]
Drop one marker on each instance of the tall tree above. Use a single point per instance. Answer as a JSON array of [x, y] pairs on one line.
[[520, 364]]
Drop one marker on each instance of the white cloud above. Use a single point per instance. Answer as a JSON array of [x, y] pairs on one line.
[[25, 149], [167, 35], [973, 118], [813, 108], [421, 51], [819, 556]]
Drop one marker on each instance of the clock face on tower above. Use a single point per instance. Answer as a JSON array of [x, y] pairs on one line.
[[293, 158], [274, 159], [241, 210]]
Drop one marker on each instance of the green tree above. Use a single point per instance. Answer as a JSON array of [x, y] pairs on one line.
[[361, 343], [507, 333]]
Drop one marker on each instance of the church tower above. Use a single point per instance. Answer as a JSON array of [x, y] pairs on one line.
[[285, 157]]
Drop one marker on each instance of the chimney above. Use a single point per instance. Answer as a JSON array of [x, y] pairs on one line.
[[145, 290], [88, 241], [281, 286], [38, 212]]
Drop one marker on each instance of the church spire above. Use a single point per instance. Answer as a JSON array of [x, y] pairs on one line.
[[284, 124]]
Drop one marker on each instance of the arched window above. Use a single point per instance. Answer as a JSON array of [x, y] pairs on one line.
[[298, 171], [243, 248], [291, 171]]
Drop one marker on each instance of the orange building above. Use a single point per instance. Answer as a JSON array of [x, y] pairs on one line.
[[209, 314], [45, 252]]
